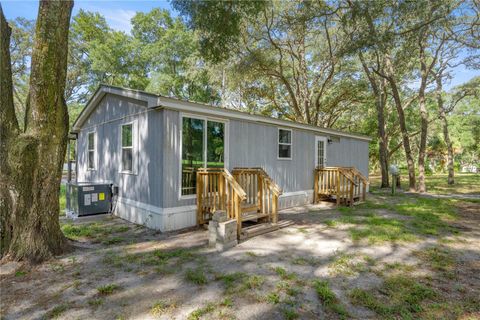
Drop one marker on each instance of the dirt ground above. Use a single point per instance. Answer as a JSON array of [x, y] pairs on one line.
[[318, 267]]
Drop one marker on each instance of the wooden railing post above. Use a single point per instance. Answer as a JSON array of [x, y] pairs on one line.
[[238, 214], [315, 185], [274, 208], [260, 192], [199, 199], [352, 186], [364, 191], [338, 186]]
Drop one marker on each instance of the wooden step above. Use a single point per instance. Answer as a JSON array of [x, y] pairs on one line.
[[249, 207], [258, 229], [248, 216]]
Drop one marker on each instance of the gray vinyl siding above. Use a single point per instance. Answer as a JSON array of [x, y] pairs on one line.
[[256, 145], [171, 159], [144, 185], [156, 181], [349, 153]]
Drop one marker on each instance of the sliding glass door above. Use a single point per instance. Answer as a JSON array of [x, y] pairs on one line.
[[203, 145]]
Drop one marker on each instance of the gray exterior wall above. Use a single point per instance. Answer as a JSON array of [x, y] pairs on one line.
[[144, 184], [255, 145], [151, 195]]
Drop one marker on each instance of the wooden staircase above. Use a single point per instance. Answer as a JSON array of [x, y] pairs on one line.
[[346, 185], [247, 194]]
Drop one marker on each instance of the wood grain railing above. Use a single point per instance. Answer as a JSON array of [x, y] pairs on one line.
[[262, 192], [347, 184], [218, 190]]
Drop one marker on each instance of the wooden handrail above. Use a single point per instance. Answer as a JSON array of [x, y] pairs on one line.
[[346, 183], [228, 177], [357, 172], [262, 192], [217, 189], [347, 175], [272, 185]]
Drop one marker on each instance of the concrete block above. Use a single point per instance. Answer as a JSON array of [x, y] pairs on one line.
[[220, 216], [227, 231], [212, 233], [220, 246]]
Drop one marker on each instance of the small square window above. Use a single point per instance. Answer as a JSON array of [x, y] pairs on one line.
[[284, 144]]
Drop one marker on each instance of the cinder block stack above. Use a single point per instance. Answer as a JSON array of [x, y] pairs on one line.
[[222, 232]]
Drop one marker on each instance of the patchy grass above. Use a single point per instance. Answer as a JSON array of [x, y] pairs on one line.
[[92, 230], [20, 273], [57, 311], [161, 257], [232, 281], [112, 240], [113, 259], [253, 282], [273, 298], [331, 223], [200, 312], [430, 216], [347, 265], [304, 261], [227, 302], [161, 307], [329, 299], [438, 258], [87, 230], [95, 302], [422, 217], [196, 276], [251, 254], [465, 183], [107, 289], [400, 297], [284, 274], [290, 314]]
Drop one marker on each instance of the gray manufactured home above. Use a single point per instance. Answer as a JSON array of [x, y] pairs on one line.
[[152, 148]]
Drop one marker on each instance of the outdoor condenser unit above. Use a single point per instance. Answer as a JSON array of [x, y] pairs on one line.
[[86, 198]]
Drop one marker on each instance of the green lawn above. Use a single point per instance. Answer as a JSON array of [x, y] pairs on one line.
[[63, 199], [465, 183]]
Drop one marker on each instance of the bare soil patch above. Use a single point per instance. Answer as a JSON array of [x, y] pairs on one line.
[[313, 269]]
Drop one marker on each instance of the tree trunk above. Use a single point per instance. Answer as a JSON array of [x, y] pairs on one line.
[[36, 156], [383, 143], [423, 140], [8, 129], [446, 134], [405, 136], [423, 117], [382, 136]]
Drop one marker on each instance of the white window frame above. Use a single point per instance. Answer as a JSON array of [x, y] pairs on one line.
[[285, 144], [95, 139], [134, 147], [225, 146], [325, 143]]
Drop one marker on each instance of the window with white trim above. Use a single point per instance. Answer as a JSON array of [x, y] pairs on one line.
[[203, 145], [127, 147], [284, 144], [91, 151]]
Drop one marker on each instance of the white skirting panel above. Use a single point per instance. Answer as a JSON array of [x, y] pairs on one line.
[[170, 219], [294, 199], [163, 219]]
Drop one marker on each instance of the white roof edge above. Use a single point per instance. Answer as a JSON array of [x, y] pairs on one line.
[[154, 101]]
